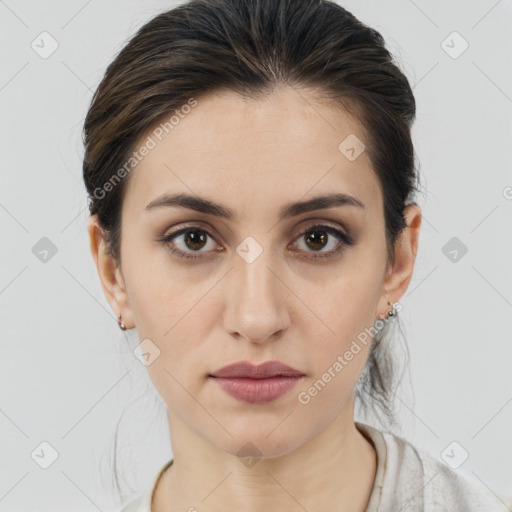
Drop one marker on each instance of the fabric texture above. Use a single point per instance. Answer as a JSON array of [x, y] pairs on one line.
[[407, 480]]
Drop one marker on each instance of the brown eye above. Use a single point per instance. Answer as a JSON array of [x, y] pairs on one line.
[[316, 240], [187, 241], [195, 239], [192, 239]]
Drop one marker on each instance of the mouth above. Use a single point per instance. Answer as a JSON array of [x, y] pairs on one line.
[[257, 384]]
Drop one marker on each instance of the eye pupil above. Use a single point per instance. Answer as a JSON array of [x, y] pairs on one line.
[[322, 239], [193, 237]]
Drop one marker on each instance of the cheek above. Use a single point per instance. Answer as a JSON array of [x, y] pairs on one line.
[[342, 326], [338, 363], [174, 312], [347, 305], [160, 291]]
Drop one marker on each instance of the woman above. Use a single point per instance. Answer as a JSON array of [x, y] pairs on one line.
[[251, 179]]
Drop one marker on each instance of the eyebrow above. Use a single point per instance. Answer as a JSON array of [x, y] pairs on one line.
[[202, 205]]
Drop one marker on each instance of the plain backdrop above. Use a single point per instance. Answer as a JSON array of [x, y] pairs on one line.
[[67, 371]]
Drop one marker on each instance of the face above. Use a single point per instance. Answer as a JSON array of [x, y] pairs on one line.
[[263, 281]]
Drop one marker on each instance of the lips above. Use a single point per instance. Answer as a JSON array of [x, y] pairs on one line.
[[257, 384], [245, 369]]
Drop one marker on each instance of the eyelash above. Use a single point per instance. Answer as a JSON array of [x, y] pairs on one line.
[[345, 241]]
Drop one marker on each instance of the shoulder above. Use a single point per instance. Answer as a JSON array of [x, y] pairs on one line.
[[428, 484], [141, 502], [137, 503]]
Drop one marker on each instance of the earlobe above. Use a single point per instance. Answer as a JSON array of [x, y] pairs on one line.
[[406, 248]]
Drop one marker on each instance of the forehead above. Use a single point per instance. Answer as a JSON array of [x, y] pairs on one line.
[[245, 151]]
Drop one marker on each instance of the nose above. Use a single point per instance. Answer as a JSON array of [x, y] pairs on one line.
[[255, 307]]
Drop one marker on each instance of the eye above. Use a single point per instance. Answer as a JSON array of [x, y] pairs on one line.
[[193, 239], [189, 240], [319, 237]]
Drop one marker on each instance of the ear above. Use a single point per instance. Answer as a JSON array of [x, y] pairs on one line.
[[110, 274], [406, 247]]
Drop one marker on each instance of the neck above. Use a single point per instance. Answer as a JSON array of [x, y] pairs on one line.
[[334, 470]]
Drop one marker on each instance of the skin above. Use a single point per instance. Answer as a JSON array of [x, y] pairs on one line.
[[285, 306]]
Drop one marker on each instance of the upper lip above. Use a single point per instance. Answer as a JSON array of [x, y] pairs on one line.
[[262, 371]]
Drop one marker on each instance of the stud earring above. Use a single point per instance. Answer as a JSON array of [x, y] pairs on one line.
[[121, 325], [392, 311]]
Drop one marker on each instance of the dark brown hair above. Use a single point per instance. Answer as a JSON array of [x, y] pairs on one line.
[[250, 47]]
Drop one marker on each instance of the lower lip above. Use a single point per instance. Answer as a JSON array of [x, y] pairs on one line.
[[256, 391]]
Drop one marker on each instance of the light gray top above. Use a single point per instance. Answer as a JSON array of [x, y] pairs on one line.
[[408, 479]]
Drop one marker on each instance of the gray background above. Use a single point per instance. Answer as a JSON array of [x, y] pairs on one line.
[[67, 371]]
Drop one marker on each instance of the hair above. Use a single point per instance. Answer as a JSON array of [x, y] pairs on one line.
[[251, 47]]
